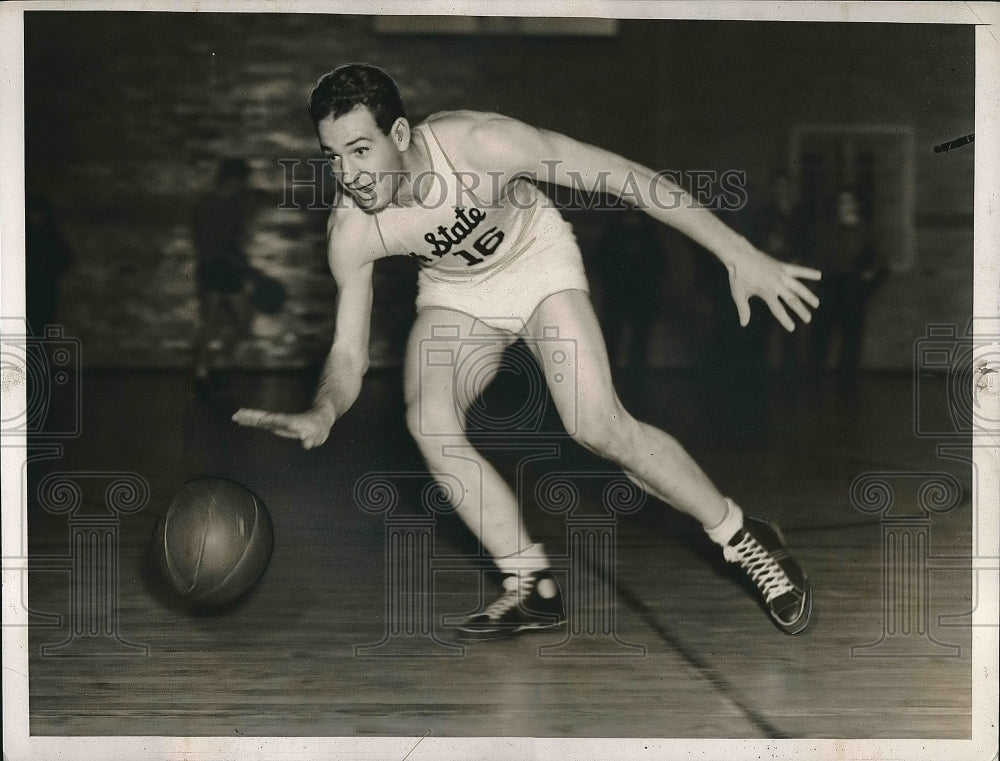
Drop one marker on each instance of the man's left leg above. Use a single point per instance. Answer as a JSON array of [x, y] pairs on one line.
[[209, 324], [591, 410]]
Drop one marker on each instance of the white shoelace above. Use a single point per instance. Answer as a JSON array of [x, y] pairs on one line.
[[762, 568], [513, 594]]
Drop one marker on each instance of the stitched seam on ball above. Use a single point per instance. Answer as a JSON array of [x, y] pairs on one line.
[[201, 551], [246, 548], [166, 548]]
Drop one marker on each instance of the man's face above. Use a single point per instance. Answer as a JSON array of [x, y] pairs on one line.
[[365, 161], [847, 208], [784, 197]]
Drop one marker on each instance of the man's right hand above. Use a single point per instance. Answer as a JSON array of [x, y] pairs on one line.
[[311, 428]]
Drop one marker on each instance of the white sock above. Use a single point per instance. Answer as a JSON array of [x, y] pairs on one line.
[[531, 558], [547, 588], [527, 561], [728, 526]]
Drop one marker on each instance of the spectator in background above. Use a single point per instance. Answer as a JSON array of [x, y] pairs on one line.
[[742, 352], [219, 227], [783, 230], [631, 265], [845, 250], [47, 257]]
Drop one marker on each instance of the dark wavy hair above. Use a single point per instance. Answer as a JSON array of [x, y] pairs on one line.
[[355, 84]]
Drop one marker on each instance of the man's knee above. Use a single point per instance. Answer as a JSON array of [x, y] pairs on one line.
[[428, 417], [605, 430], [413, 414]]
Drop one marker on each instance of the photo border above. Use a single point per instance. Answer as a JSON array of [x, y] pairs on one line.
[[19, 745]]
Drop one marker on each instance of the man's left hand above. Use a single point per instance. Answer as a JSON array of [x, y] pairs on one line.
[[777, 283]]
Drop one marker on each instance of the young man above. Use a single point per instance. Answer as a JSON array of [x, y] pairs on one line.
[[498, 262], [219, 231]]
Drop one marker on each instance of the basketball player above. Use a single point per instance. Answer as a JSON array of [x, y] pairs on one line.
[[219, 227], [497, 263]]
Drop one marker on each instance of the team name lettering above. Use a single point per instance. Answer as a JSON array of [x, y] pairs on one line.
[[445, 239], [464, 225]]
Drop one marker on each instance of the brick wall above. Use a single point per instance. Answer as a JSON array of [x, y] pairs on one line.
[[128, 113]]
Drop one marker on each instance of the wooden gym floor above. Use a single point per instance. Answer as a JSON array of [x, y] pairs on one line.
[[689, 655]]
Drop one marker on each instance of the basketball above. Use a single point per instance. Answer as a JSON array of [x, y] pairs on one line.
[[214, 542]]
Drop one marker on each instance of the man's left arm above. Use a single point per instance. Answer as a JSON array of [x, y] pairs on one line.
[[514, 148]]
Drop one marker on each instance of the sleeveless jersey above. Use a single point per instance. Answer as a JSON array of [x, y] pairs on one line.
[[452, 233]]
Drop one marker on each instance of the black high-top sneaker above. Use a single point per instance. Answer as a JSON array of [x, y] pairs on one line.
[[759, 550], [529, 601]]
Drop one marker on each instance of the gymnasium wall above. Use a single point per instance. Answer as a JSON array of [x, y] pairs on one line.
[[127, 114]]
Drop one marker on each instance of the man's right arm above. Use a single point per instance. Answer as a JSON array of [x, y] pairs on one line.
[[351, 255], [344, 369]]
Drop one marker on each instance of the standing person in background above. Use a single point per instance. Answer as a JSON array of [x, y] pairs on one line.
[[631, 264], [47, 257], [743, 387], [219, 228], [782, 230], [846, 253]]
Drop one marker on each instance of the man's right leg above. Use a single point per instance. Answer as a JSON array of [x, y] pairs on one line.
[[210, 319], [438, 361], [450, 359]]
